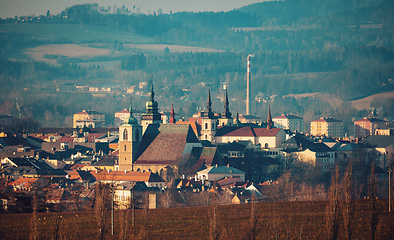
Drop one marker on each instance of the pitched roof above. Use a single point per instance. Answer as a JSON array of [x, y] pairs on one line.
[[168, 145], [221, 170], [263, 132], [108, 160], [209, 154], [131, 176], [243, 131], [23, 182], [378, 141], [80, 175], [368, 119]]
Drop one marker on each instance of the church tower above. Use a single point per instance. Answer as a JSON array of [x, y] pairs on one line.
[[226, 119], [209, 122], [130, 136], [152, 115]]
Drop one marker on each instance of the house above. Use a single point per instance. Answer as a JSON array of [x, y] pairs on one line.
[[328, 127], [384, 147], [368, 126], [235, 149], [215, 173], [319, 155], [107, 162]]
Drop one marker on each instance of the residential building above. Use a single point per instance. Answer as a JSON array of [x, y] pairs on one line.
[[318, 154], [383, 146], [328, 127], [289, 121], [368, 126], [215, 173], [89, 118]]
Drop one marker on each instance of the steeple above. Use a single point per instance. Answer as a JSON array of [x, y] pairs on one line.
[[209, 105], [172, 117], [227, 113], [152, 115], [130, 120], [151, 105], [269, 119]]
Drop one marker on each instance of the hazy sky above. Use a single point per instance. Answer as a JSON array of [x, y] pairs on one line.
[[10, 8]]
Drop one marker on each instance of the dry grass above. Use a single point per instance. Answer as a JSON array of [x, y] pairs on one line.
[[365, 103]]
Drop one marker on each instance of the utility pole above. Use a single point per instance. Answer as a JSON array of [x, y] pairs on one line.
[[133, 206], [112, 212]]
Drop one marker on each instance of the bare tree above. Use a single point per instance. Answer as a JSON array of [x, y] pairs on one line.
[[332, 217], [348, 201], [372, 201], [101, 204], [214, 233], [33, 225]]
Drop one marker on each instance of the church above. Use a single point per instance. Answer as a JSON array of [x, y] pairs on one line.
[[166, 149]]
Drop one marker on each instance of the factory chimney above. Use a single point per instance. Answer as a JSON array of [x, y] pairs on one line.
[[248, 84]]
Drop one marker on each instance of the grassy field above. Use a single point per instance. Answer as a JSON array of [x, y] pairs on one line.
[[290, 220]]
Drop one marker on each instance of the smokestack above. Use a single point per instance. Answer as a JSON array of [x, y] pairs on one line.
[[248, 85]]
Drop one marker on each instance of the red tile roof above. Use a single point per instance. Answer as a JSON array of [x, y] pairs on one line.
[[263, 132], [131, 176]]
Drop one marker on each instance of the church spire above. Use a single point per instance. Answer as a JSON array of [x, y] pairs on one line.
[[172, 116], [209, 102], [269, 119], [152, 94], [227, 113], [131, 120]]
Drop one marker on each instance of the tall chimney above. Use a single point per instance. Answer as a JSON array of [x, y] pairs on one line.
[[248, 85]]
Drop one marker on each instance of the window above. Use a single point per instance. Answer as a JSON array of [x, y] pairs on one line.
[[206, 125], [125, 148], [125, 135]]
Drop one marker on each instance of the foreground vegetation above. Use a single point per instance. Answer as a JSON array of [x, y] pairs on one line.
[[281, 220]]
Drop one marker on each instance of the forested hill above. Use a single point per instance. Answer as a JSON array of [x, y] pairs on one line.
[[266, 26]]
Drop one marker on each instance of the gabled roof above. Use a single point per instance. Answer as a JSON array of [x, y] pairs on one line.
[[319, 147], [378, 141], [167, 146], [230, 181], [209, 154], [263, 132]]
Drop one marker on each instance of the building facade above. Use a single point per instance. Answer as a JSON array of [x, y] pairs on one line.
[[89, 118], [290, 122], [328, 127], [368, 126]]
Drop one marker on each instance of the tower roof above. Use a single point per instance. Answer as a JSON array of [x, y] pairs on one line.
[[130, 120]]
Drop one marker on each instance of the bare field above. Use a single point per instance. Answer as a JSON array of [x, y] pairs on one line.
[[365, 103], [173, 48], [67, 50]]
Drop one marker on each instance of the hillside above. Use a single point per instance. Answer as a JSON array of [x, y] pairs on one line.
[[283, 220]]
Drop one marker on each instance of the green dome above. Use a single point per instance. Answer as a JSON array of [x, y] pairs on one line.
[[130, 120]]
